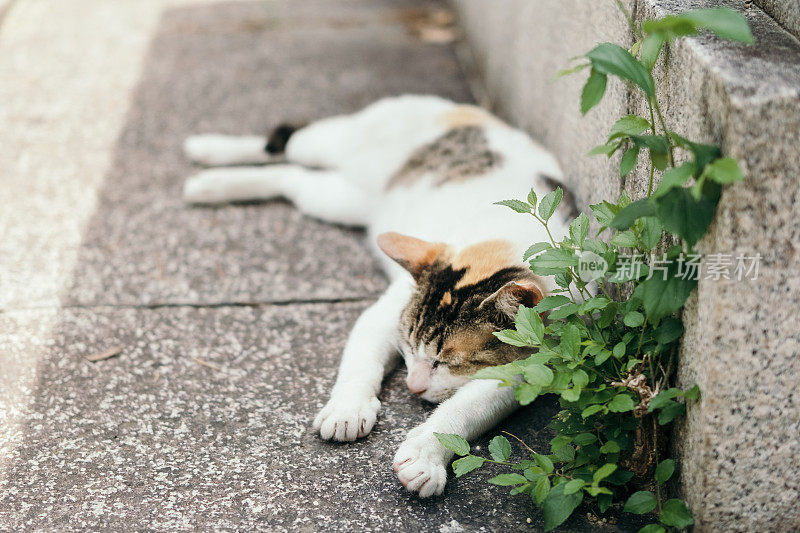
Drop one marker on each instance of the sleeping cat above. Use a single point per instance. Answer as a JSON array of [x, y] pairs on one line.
[[421, 174]]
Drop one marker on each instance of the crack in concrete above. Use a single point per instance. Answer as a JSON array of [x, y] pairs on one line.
[[203, 305]]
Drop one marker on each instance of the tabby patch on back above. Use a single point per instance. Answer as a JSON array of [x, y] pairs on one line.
[[460, 154]]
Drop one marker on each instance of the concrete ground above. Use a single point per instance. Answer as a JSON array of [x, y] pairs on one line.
[[231, 319]]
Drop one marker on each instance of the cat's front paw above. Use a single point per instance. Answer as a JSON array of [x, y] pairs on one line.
[[347, 418], [421, 464]]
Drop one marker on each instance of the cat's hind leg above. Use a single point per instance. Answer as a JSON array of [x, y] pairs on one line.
[[322, 194], [215, 150]]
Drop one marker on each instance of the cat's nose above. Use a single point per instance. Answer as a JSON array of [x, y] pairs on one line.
[[419, 391], [416, 387]]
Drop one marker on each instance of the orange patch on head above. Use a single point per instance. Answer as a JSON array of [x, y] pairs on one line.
[[447, 299], [466, 115], [483, 259]]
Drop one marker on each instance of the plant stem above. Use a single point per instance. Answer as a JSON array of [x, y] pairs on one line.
[[665, 130], [636, 32], [520, 441]]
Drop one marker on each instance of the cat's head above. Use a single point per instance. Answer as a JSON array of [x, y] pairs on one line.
[[459, 301]]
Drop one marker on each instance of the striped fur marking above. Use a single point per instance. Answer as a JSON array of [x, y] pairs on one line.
[[460, 154]]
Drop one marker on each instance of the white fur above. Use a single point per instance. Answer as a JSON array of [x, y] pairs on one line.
[[360, 153]]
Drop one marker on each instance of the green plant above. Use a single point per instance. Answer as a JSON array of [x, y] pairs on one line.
[[610, 356]]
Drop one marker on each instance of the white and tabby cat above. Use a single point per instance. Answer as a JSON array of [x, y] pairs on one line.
[[421, 174]]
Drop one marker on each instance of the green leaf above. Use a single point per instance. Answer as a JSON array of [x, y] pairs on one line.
[[669, 413], [580, 379], [610, 447], [584, 439], [625, 239], [682, 214], [669, 330], [535, 249], [601, 358], [571, 395], [640, 502], [512, 337], [664, 471], [725, 22], [693, 393], [663, 297], [456, 443], [541, 490], [579, 229], [551, 302], [544, 462], [500, 448], [638, 209], [675, 513], [517, 205], [725, 170], [595, 303], [607, 149], [525, 393], [549, 203], [629, 125], [651, 232], [573, 70], [604, 502], [619, 349], [609, 58], [570, 342], [662, 399], [634, 319], [651, 49], [603, 472], [564, 311], [529, 324], [508, 480], [674, 177], [467, 464], [532, 199], [574, 485], [538, 375], [593, 91], [565, 454], [621, 403], [655, 143], [558, 506], [592, 409], [553, 261], [652, 528], [604, 212], [629, 161]]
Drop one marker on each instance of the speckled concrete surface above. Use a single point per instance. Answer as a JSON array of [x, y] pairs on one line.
[[154, 439], [98, 251]]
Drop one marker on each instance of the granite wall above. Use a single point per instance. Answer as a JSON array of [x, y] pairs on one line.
[[740, 445]]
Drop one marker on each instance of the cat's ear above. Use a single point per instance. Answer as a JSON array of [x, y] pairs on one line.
[[510, 296], [415, 255]]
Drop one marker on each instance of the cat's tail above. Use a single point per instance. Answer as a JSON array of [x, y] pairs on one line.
[[216, 150]]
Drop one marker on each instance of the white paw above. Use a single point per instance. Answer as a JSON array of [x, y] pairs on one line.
[[207, 187], [421, 464], [347, 418], [210, 149]]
